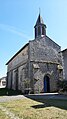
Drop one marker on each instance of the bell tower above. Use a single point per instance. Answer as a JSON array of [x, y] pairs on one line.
[[40, 28]]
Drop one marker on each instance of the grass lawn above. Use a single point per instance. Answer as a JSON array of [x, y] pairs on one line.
[[3, 115], [30, 109]]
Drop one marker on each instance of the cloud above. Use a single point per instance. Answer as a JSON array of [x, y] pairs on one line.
[[13, 30]]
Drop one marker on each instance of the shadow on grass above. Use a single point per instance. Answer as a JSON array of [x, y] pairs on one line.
[[9, 92], [49, 100], [39, 106]]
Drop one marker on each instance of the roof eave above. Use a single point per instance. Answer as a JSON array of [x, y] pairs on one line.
[[17, 53]]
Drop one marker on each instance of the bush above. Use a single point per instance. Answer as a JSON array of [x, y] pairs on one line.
[[62, 85]]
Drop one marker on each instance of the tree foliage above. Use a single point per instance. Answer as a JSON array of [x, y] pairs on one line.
[[62, 85]]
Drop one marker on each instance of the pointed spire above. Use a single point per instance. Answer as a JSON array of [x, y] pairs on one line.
[[40, 27], [39, 20], [39, 10]]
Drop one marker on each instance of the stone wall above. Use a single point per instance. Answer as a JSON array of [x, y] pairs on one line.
[[18, 77], [38, 72], [23, 77], [64, 54], [44, 58], [18, 60], [41, 51], [54, 45], [18, 71]]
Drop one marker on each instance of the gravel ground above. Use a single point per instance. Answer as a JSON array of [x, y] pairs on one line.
[[8, 98], [34, 96]]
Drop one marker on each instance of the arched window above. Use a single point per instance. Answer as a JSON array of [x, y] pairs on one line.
[[46, 84]]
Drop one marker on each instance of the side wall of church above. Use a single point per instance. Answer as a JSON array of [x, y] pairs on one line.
[[18, 59], [18, 70]]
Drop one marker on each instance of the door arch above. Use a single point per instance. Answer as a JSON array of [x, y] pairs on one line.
[[46, 84]]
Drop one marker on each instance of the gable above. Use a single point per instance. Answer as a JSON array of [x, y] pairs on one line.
[[53, 44], [44, 49]]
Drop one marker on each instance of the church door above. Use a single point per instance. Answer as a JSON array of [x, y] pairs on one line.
[[46, 84]]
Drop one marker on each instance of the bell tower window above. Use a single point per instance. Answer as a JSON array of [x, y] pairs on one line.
[[43, 30], [35, 32], [39, 31]]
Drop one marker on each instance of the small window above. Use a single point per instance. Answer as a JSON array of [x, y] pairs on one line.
[[43, 31], [35, 32], [39, 31]]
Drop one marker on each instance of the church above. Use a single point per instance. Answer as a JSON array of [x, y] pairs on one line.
[[37, 66]]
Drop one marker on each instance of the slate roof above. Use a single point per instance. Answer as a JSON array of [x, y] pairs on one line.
[[64, 50], [39, 21]]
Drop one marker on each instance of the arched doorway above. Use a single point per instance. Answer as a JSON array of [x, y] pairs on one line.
[[46, 84]]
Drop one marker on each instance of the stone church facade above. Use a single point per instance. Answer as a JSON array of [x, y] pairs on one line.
[[37, 66]]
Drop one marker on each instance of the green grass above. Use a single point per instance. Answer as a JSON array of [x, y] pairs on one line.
[[33, 109], [3, 115], [30, 109]]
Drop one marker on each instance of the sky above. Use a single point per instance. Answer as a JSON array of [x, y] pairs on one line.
[[17, 20]]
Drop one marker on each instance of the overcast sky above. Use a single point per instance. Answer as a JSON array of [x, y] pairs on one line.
[[17, 20]]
